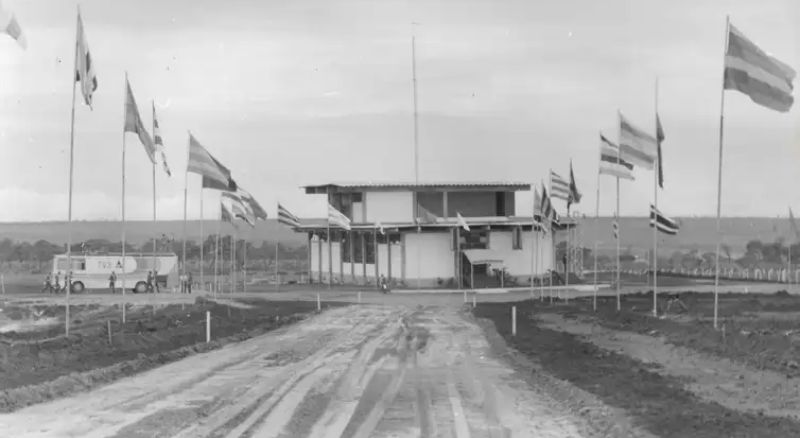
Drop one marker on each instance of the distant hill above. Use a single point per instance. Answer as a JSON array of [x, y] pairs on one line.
[[696, 233], [138, 232]]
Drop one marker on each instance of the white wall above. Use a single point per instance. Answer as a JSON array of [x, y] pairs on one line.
[[435, 256], [389, 207], [358, 212], [518, 262]]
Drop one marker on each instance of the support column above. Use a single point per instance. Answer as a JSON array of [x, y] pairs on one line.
[[309, 260], [319, 257], [341, 257], [389, 256], [364, 257]]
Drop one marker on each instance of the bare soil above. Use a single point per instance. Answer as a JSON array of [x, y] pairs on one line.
[[656, 402], [38, 365]]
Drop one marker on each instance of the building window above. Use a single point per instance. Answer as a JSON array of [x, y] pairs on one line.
[[516, 238], [358, 255]]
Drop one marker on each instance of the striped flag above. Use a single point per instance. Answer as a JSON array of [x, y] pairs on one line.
[[203, 163], [559, 186], [252, 204], [574, 194], [750, 70], [84, 68], [461, 222], [661, 222], [636, 146], [337, 218], [287, 218], [133, 123], [546, 210], [239, 208], [660, 138], [610, 161], [159, 142], [10, 26]]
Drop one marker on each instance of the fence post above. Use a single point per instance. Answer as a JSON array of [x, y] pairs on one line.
[[108, 325], [208, 326], [319, 304], [513, 320]]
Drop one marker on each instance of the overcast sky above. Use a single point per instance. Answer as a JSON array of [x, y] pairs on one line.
[[294, 93]]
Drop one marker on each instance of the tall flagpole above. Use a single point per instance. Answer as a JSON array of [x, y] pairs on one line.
[[185, 197], [553, 232], [230, 273], [597, 228], [71, 161], [330, 244], [533, 241], [154, 197], [719, 173], [416, 160], [233, 256], [655, 225], [123, 201], [244, 265], [619, 225], [277, 280]]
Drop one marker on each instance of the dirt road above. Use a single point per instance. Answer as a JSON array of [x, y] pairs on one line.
[[358, 371]]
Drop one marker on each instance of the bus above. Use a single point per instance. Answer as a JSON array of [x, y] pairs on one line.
[[91, 271]]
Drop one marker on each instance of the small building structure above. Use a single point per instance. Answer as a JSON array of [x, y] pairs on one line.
[[410, 234]]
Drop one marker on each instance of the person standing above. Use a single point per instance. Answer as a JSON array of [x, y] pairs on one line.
[[150, 288], [48, 284], [57, 283], [112, 282], [189, 282], [155, 281]]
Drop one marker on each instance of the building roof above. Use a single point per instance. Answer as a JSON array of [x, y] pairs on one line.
[[441, 223], [344, 187]]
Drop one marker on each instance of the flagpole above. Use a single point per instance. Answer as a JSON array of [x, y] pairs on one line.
[[230, 273], [655, 204], [416, 160], [719, 173], [619, 225], [71, 161], [233, 256], [155, 280], [330, 244], [597, 228], [185, 197], [277, 280], [123, 202], [533, 240], [244, 266], [553, 236]]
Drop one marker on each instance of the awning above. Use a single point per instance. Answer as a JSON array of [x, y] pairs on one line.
[[484, 256]]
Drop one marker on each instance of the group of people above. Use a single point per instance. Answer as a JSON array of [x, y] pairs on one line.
[[152, 282], [53, 285], [186, 283]]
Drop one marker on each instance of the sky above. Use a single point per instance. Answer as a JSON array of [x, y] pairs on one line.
[[288, 94]]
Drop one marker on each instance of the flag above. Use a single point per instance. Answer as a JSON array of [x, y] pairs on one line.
[[133, 123], [750, 70], [203, 163], [461, 222], [337, 218], [287, 218], [793, 224], [546, 210], [252, 204], [224, 214], [661, 222], [537, 202], [559, 187], [610, 161], [660, 138], [239, 208], [10, 26], [84, 68], [213, 184], [159, 142], [379, 226], [574, 194], [635, 145], [424, 216], [615, 228]]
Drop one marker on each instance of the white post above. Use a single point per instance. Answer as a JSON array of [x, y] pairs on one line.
[[69, 285], [513, 320], [71, 161], [655, 225], [617, 219], [202, 241], [208, 326]]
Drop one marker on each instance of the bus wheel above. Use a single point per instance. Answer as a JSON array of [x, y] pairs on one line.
[[77, 287], [140, 288]]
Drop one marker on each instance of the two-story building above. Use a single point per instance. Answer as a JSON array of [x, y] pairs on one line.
[[409, 233]]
